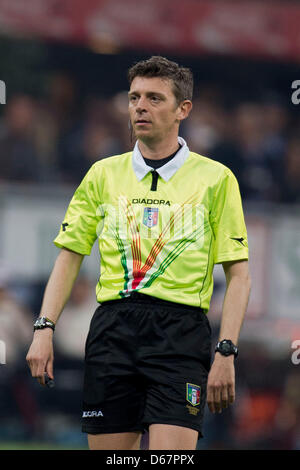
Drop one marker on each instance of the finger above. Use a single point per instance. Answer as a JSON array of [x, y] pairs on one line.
[[217, 399], [224, 397], [28, 360], [41, 379], [32, 362], [231, 394], [49, 369], [210, 399], [33, 368], [34, 371], [40, 373]]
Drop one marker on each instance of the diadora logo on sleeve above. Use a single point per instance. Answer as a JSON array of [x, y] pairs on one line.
[[92, 414], [151, 201], [240, 240]]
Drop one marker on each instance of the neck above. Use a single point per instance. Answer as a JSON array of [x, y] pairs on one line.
[[158, 150]]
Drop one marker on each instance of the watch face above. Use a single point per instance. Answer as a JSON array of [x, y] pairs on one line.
[[226, 347], [40, 322], [43, 322]]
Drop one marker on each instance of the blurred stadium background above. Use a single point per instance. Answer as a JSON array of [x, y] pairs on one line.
[[64, 65]]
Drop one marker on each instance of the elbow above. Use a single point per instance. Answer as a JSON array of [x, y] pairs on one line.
[[246, 279], [238, 273], [242, 280]]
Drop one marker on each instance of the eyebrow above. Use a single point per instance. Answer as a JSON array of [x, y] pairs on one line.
[[148, 93]]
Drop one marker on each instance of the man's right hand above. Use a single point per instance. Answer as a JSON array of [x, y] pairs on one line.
[[40, 355]]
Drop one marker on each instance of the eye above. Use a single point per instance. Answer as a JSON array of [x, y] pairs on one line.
[[155, 98], [132, 98]]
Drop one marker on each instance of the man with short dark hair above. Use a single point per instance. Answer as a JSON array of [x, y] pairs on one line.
[[181, 78], [164, 217]]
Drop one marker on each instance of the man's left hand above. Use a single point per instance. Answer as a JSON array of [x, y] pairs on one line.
[[221, 383]]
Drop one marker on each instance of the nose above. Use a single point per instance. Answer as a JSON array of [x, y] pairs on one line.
[[141, 105]]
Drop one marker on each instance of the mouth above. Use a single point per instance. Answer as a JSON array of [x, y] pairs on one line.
[[142, 122]]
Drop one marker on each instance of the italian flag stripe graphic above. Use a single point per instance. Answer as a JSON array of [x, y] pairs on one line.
[[136, 275]]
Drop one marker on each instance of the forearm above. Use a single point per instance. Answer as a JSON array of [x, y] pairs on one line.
[[221, 380], [60, 284], [58, 289], [235, 306]]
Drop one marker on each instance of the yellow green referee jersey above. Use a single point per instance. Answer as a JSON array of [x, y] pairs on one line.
[[158, 233]]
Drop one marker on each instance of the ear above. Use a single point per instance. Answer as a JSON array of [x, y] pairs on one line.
[[184, 109]]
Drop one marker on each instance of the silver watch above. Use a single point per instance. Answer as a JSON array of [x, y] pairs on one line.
[[43, 322]]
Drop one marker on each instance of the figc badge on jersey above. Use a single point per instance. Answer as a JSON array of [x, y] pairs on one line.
[[150, 218]]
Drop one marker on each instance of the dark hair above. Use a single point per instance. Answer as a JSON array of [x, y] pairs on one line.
[[157, 66]]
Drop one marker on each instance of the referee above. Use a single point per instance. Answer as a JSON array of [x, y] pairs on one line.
[[163, 216]]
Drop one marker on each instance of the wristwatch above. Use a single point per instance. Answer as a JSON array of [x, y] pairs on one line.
[[226, 348], [43, 322]]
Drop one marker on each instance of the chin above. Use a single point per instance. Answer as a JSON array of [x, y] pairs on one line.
[[143, 134]]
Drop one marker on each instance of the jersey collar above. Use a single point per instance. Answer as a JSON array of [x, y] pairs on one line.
[[166, 171]]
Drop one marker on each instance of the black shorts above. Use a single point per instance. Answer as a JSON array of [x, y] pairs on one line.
[[147, 361]]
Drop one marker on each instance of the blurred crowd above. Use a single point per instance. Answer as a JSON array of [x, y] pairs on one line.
[[57, 138]]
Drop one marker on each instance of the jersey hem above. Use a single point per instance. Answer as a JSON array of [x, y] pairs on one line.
[[231, 257], [71, 247]]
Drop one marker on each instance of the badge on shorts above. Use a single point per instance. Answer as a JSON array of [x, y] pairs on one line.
[[193, 394], [150, 216]]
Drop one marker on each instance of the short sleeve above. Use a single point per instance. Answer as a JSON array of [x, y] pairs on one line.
[[227, 221], [78, 231]]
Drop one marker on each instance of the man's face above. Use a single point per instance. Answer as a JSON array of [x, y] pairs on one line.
[[153, 110]]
